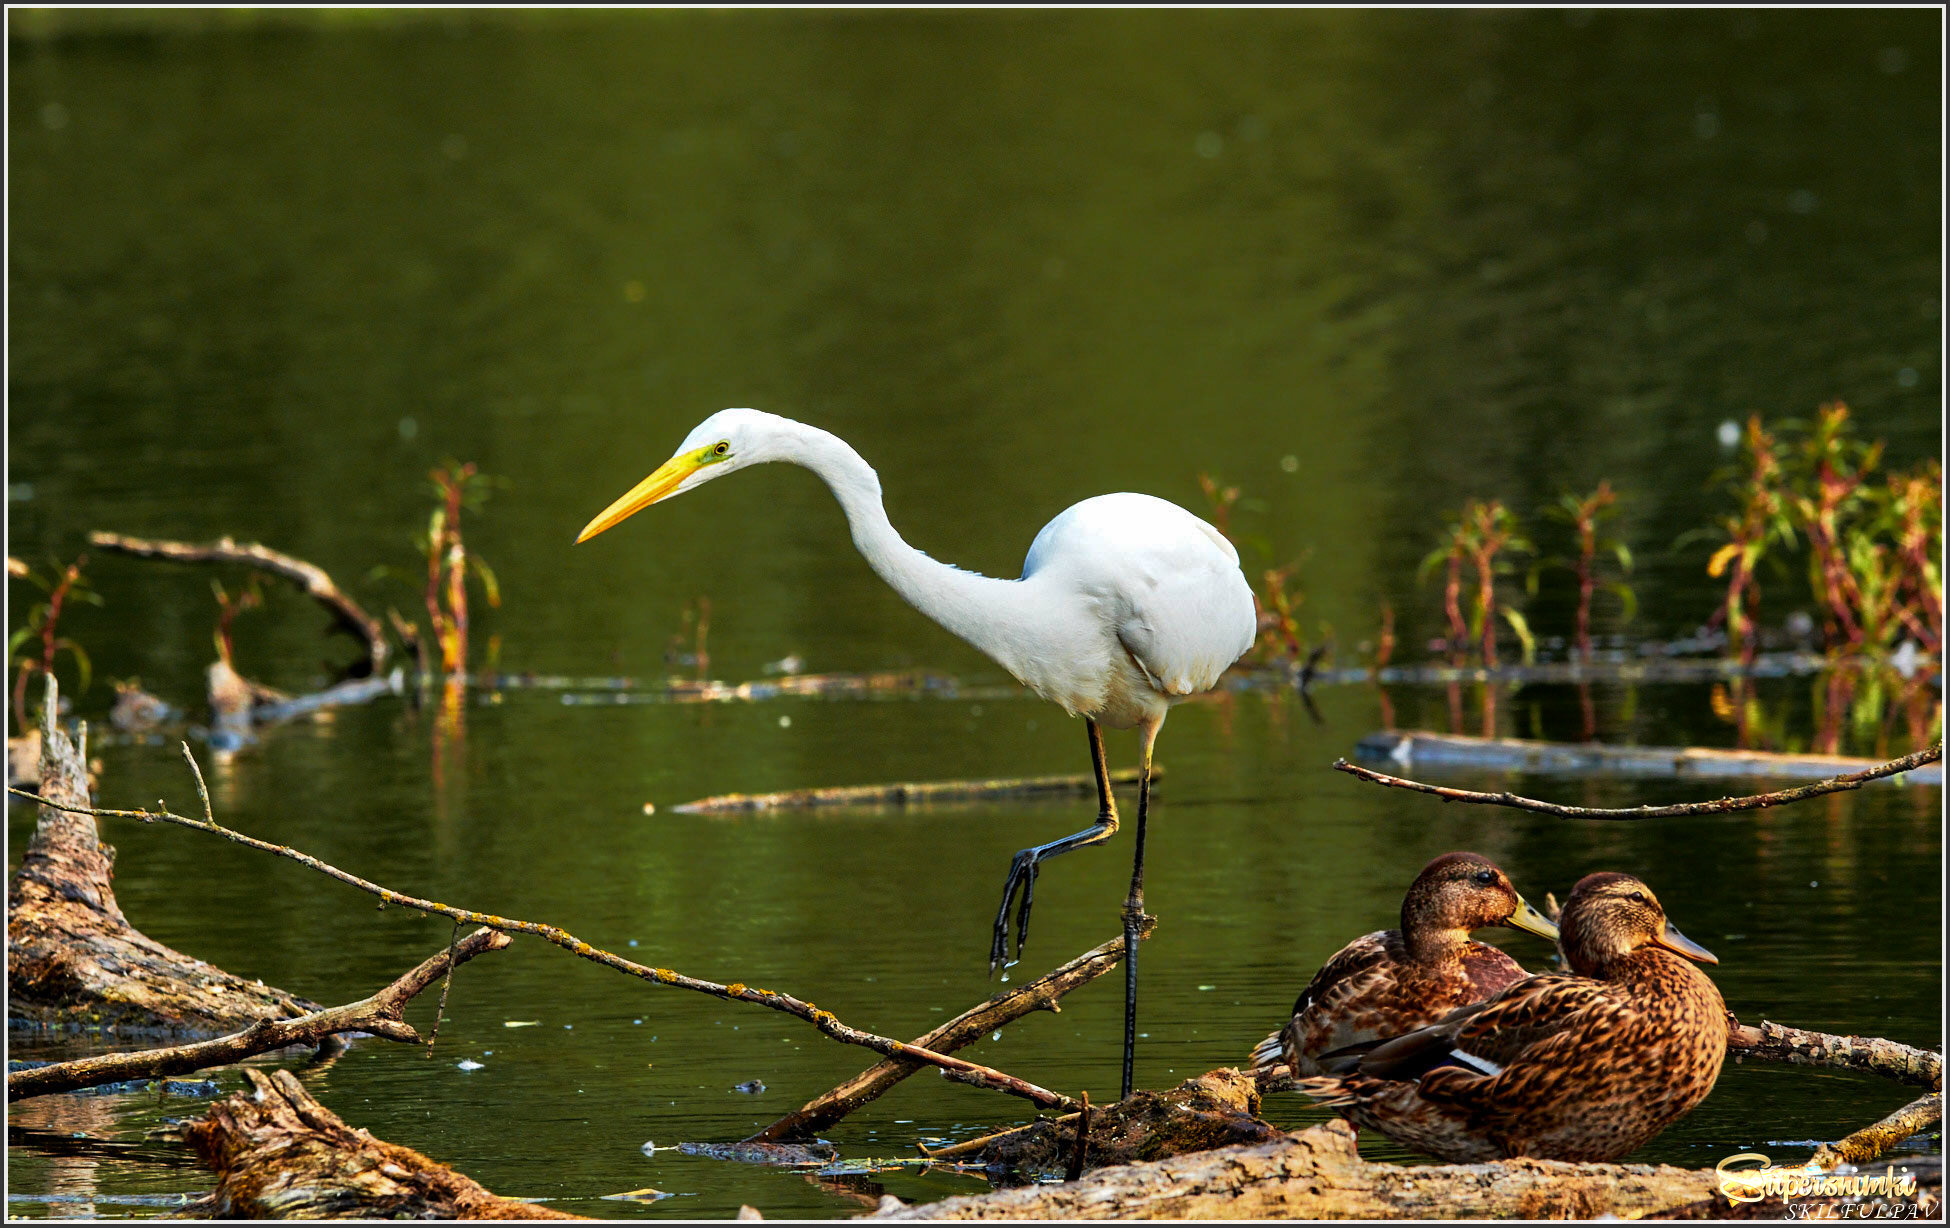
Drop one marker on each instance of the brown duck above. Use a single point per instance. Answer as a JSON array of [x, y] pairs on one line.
[[1394, 981], [1584, 1065]]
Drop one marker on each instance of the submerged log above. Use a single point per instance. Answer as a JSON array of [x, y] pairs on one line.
[[912, 793], [1217, 1109], [280, 1154], [1422, 748], [74, 959], [1318, 1174]]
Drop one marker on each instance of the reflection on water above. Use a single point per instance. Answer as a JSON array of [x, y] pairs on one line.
[[1364, 265]]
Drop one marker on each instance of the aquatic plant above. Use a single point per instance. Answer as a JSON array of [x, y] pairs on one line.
[[1874, 541], [1485, 534], [43, 619], [449, 565], [1583, 513], [1277, 597]]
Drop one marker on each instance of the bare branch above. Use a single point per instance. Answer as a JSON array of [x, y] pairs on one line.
[[1778, 1043], [825, 1021], [309, 576], [1835, 784], [911, 793], [964, 1029], [379, 1014]]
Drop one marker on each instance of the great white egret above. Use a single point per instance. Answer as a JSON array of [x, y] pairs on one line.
[[1126, 603]]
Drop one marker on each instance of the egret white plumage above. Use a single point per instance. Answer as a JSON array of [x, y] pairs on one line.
[[1126, 604]]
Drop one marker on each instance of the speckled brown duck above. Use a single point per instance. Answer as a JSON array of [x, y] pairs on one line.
[[1588, 1064], [1390, 982]]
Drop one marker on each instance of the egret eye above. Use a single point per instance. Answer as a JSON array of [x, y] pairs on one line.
[[723, 447], [1486, 877]]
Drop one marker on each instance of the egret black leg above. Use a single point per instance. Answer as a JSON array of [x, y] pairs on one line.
[[1134, 918], [1023, 870]]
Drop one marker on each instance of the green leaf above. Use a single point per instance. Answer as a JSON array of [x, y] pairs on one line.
[[18, 638], [488, 581], [1521, 626], [82, 664], [1627, 598], [1624, 553], [1434, 559]]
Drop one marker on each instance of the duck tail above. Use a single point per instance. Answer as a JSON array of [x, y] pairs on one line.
[[1329, 1090], [1269, 1057]]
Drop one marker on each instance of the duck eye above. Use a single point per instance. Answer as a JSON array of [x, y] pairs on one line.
[[1486, 877], [723, 447], [1637, 897]]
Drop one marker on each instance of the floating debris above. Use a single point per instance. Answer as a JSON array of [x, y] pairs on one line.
[[468, 1063], [911, 793], [646, 1194], [522, 1023], [782, 1155], [1584, 758], [751, 1087]]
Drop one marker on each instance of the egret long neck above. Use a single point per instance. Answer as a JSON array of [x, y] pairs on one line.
[[993, 615]]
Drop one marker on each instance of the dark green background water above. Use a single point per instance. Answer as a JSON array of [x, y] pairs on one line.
[[264, 275]]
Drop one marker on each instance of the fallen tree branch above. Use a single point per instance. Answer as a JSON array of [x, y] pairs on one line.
[[379, 1015], [280, 1154], [1870, 1142], [825, 1021], [1420, 748], [1836, 784], [1797, 1047], [73, 959], [964, 1029], [310, 577], [909, 793]]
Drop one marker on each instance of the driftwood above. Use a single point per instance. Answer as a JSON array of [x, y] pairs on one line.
[[279, 1154], [1778, 1043], [1317, 1173], [1589, 758], [828, 1024], [310, 577], [379, 1015], [1218, 1109], [911, 793], [74, 959], [964, 1029], [1853, 780]]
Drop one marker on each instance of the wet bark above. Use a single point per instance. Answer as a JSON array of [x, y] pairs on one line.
[[1318, 1174], [279, 1154], [1218, 1109], [73, 959]]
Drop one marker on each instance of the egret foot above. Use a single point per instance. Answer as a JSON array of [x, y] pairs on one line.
[[1022, 879]]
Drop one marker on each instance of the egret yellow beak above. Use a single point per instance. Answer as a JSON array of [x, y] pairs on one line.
[[668, 477], [1528, 918]]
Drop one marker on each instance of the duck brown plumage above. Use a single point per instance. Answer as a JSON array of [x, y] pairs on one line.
[[1394, 981], [1588, 1064]]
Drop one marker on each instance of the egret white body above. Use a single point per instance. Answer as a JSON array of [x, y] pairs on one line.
[[1126, 603]]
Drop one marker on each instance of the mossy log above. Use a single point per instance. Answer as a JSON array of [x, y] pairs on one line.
[[279, 1154], [73, 959]]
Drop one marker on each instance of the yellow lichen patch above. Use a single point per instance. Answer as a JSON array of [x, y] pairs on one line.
[[582, 948], [736, 989]]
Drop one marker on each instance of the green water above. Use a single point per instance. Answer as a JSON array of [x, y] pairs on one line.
[[1364, 264]]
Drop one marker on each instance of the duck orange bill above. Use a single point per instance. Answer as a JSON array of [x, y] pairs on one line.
[[666, 479], [1673, 940]]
